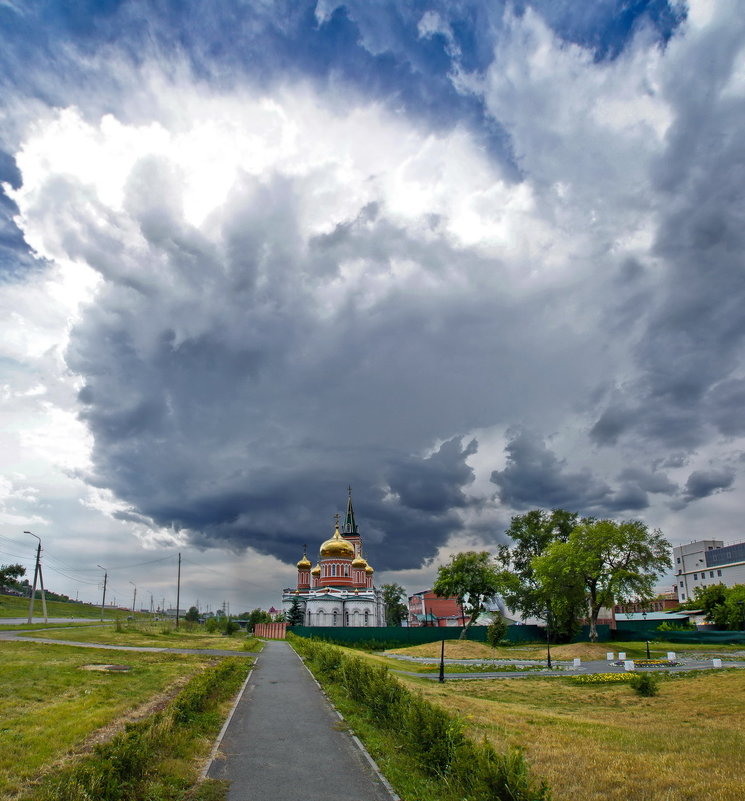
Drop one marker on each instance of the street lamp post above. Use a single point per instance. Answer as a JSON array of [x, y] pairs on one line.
[[548, 639], [134, 597], [644, 615], [37, 574]]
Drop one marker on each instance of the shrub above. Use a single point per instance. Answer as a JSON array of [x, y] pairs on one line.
[[644, 684], [434, 740], [496, 630], [670, 625]]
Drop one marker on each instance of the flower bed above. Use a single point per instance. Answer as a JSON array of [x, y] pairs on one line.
[[642, 663], [601, 678]]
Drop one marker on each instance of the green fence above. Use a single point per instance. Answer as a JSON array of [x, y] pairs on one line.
[[645, 627], [390, 635], [690, 637], [393, 636]]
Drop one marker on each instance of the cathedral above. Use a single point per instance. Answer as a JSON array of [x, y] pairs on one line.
[[339, 589]]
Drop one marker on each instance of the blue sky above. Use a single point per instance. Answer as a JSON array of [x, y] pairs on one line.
[[472, 258]]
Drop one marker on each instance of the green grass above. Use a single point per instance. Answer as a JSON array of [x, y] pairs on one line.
[[42, 626], [158, 757], [49, 706], [13, 606], [162, 634]]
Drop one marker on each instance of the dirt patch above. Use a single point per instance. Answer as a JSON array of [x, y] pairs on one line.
[[107, 668]]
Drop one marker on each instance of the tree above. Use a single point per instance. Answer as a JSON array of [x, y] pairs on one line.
[[471, 577], [295, 615], [192, 615], [257, 616], [609, 559], [395, 609], [496, 630], [724, 606], [531, 534], [9, 574]]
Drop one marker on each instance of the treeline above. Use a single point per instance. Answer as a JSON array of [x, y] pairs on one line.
[[724, 606], [561, 568]]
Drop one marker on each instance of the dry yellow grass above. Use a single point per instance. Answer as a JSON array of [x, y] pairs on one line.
[[465, 649], [605, 743]]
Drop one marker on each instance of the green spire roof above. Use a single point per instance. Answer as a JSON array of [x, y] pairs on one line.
[[350, 526]]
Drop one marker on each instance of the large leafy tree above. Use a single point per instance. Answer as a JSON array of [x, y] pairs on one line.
[[472, 577], [9, 574], [395, 609], [609, 559], [531, 534]]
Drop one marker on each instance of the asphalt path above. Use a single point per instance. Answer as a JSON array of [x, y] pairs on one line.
[[285, 742]]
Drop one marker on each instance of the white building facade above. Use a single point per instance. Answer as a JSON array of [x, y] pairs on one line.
[[707, 562]]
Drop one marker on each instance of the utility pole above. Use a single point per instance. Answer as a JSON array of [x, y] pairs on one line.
[[178, 588], [37, 572], [134, 597], [151, 603], [103, 599]]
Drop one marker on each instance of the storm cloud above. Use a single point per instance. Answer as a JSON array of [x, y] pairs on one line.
[[471, 259]]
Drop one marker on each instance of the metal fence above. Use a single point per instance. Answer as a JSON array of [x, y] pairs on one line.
[[392, 635], [692, 637]]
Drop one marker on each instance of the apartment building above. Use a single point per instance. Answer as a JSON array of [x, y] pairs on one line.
[[706, 562]]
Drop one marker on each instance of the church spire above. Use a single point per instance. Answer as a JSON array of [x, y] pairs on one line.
[[350, 526]]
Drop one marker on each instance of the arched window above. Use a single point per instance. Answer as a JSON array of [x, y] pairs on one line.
[[367, 617], [333, 570], [334, 616], [346, 570], [346, 618]]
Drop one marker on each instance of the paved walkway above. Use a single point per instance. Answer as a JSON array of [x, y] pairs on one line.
[[17, 636], [285, 742]]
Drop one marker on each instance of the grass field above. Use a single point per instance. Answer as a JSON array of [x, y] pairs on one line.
[[605, 743], [13, 606], [50, 707], [153, 634]]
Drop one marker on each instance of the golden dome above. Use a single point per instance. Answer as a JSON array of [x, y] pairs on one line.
[[369, 570], [337, 546], [359, 563], [316, 571], [304, 563]]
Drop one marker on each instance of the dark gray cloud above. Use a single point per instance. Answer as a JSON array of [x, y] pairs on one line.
[[535, 477], [703, 483], [231, 376]]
